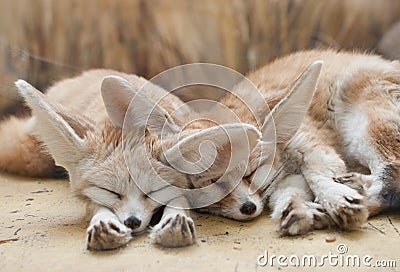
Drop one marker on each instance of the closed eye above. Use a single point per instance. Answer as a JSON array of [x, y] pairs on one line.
[[214, 180], [105, 189], [248, 177]]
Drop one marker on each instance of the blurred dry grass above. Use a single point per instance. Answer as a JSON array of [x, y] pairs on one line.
[[389, 45], [149, 36]]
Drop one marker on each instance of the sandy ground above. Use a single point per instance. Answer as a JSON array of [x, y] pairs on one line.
[[48, 225]]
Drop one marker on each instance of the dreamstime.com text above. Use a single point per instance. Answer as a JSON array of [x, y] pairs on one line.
[[341, 258]]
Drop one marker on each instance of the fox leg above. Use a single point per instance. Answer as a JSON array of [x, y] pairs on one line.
[[176, 228], [344, 204], [22, 154], [106, 231], [292, 205]]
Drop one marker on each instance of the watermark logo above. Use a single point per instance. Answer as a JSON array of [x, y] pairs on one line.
[[342, 249], [340, 258]]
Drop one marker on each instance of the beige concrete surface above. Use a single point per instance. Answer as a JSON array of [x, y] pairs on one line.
[[49, 224]]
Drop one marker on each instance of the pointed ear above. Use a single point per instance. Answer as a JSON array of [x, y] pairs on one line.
[[286, 117], [120, 95], [117, 94], [206, 150], [59, 128]]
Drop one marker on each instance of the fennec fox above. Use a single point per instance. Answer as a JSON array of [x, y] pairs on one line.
[[279, 127], [84, 135], [352, 125]]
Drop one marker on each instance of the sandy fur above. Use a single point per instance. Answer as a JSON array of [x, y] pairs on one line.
[[352, 122]]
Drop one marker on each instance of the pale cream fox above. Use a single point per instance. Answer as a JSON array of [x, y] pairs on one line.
[[352, 125], [84, 135]]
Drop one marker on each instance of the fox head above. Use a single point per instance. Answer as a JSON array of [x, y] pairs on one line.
[[93, 155], [127, 174], [278, 128]]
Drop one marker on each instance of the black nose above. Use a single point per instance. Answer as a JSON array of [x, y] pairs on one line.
[[132, 222], [248, 208]]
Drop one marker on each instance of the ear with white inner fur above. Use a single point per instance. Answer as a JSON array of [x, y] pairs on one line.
[[200, 152], [119, 96], [286, 117], [56, 126]]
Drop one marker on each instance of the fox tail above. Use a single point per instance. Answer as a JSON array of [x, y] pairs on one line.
[[22, 154]]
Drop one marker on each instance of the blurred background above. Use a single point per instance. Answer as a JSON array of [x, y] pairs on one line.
[[43, 41]]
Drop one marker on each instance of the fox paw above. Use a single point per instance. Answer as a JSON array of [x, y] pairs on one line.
[[355, 181], [107, 234], [175, 230], [344, 205], [299, 217]]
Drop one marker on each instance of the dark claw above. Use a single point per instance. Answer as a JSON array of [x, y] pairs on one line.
[[321, 210], [104, 227], [114, 227], [184, 228], [191, 228], [97, 228], [285, 213], [176, 221], [89, 236], [166, 223]]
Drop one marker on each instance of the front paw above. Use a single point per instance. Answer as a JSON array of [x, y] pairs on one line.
[[175, 230], [300, 216], [344, 205], [355, 181], [107, 234]]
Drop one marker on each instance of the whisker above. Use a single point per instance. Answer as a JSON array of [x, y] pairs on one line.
[[273, 179]]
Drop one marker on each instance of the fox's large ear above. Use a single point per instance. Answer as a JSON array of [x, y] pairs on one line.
[[59, 128], [119, 96], [286, 117], [213, 149]]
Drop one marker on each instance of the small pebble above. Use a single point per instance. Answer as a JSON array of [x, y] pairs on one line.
[[330, 239]]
